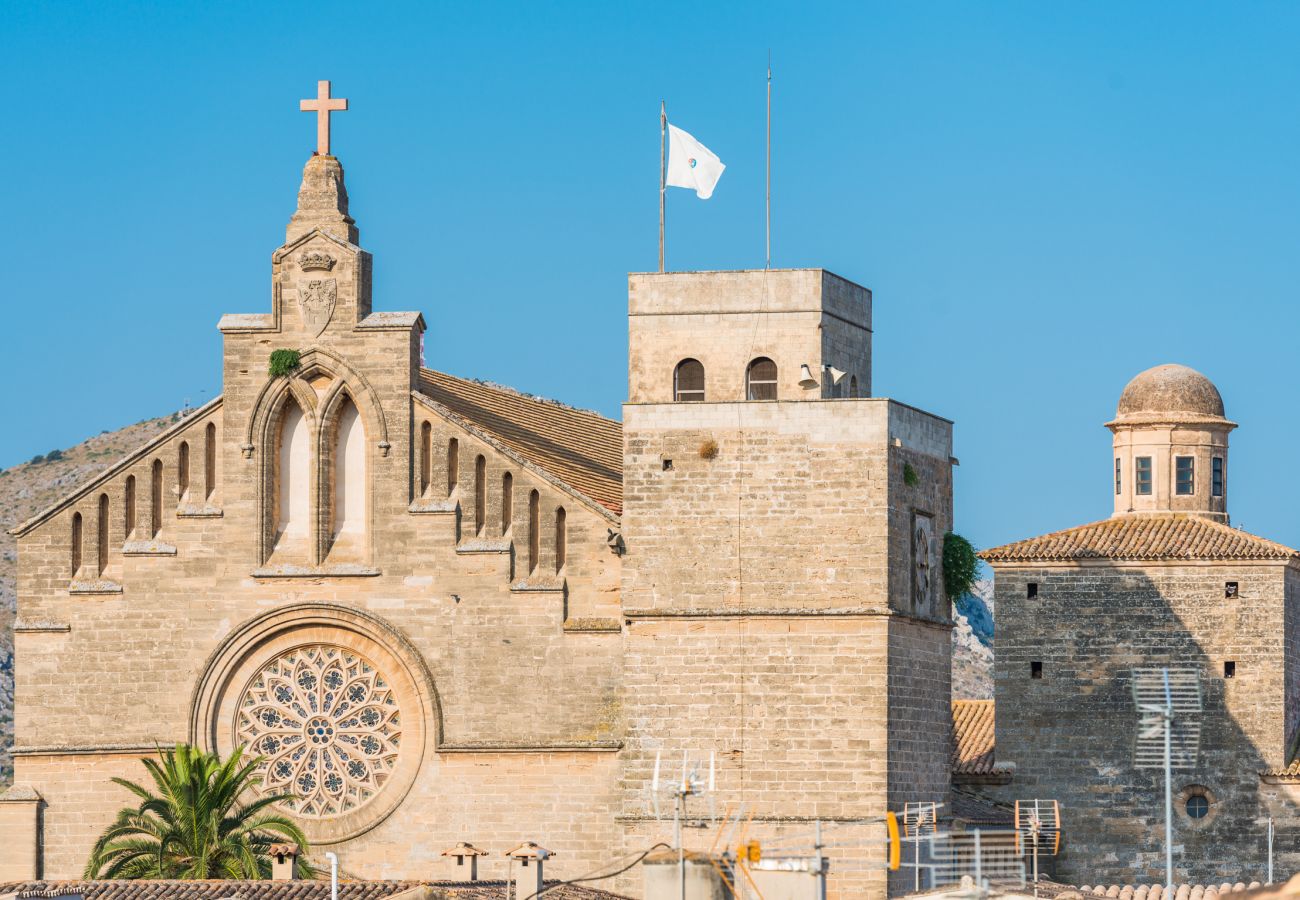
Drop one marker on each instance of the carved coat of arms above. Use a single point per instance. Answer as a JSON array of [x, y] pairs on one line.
[[316, 298], [922, 548]]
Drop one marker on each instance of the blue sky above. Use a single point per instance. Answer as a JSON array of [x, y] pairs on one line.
[[1046, 198]]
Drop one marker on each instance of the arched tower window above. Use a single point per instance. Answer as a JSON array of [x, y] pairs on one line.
[[688, 381], [101, 536], [453, 465], [183, 472], [561, 539], [853, 386], [760, 380], [155, 498], [293, 484], [426, 458], [480, 495], [507, 502], [210, 461], [76, 544], [534, 531], [349, 472], [128, 508]]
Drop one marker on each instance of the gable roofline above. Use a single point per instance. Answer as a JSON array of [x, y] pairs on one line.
[[124, 463], [559, 484], [1144, 537]]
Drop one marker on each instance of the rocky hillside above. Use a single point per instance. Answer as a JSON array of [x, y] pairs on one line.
[[25, 490], [972, 644]]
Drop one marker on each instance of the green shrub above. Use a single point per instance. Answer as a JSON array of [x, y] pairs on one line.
[[284, 361], [960, 565], [910, 478], [54, 456], [35, 460]]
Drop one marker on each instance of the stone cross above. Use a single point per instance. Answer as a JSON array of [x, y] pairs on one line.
[[323, 105]]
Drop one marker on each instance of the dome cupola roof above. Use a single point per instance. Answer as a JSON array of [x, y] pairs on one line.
[[1170, 394]]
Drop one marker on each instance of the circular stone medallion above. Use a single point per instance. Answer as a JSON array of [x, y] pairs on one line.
[[328, 725]]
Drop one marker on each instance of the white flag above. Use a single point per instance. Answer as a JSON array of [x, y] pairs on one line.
[[691, 164]]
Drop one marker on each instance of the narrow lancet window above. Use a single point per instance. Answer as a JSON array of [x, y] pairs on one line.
[[1216, 476], [101, 536], [293, 494], [210, 461], [688, 381], [534, 530], [349, 472], [561, 539], [76, 544], [183, 472], [480, 495], [507, 502], [128, 508], [453, 465], [426, 458], [155, 499]]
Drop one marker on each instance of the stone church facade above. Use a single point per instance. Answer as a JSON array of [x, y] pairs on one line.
[[443, 610], [1164, 582]]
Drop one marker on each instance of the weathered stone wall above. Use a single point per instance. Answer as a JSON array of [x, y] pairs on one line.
[[1071, 733]]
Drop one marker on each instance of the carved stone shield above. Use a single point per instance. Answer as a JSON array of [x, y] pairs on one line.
[[922, 548], [316, 298]]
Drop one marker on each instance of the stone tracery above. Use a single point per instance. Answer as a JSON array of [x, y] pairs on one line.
[[329, 725]]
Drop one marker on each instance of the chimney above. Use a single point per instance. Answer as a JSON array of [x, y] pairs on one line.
[[529, 852], [283, 857], [465, 849]]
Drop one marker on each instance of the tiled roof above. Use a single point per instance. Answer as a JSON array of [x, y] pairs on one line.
[[1156, 892], [972, 731], [1170, 536], [580, 448], [280, 890], [975, 811]]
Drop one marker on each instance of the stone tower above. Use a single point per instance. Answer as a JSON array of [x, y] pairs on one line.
[[1165, 581], [782, 596], [1171, 445]]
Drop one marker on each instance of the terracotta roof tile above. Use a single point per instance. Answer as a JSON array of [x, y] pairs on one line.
[[972, 730], [279, 890], [580, 448], [1169, 536]]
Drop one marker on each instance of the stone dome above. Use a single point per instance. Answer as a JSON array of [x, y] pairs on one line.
[[1170, 393]]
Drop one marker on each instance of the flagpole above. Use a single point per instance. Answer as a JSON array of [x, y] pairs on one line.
[[663, 131], [769, 160]]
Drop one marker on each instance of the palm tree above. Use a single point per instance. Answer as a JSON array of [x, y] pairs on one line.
[[193, 824]]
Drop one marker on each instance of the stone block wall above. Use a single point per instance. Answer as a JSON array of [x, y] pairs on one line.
[[1071, 733]]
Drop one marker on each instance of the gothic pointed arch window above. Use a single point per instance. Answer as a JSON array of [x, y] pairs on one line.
[[101, 536], [293, 477], [426, 458], [349, 512], [183, 472], [480, 495], [561, 539], [128, 508], [155, 498], [209, 460], [75, 553], [853, 386], [507, 502], [760, 380], [688, 381], [453, 465], [534, 531]]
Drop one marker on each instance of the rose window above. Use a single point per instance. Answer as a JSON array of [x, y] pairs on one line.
[[327, 723]]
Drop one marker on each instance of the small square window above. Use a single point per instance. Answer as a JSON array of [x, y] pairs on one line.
[[1035, 669], [1230, 590], [1031, 590], [1184, 475], [1142, 475], [1230, 669], [1216, 476]]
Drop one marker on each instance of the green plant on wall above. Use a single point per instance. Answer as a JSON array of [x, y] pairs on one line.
[[284, 361], [910, 478], [960, 565]]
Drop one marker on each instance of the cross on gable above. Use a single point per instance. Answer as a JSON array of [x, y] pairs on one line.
[[323, 105]]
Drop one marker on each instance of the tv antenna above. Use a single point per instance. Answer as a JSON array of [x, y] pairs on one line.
[[690, 783], [1169, 734], [920, 820], [1038, 830]]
